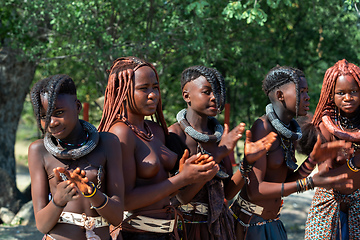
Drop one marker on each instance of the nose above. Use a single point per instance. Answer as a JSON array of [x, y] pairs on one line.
[[347, 97], [307, 97], [212, 96], [53, 122], [153, 94]]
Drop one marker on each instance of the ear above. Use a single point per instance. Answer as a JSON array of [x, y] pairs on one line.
[[186, 96], [78, 106], [279, 95]]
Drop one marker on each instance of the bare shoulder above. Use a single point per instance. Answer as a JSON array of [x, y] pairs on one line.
[[261, 128], [176, 128], [37, 147], [123, 132]]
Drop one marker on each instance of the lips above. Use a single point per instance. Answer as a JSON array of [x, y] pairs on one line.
[[57, 132]]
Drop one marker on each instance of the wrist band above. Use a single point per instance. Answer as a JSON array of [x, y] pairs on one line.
[[310, 160], [244, 169], [351, 165], [93, 192], [102, 205], [52, 200]]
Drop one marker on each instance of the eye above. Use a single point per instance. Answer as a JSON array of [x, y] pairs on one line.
[[339, 93], [43, 117], [354, 91], [58, 113]]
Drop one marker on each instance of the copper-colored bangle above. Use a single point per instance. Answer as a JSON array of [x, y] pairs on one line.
[[93, 192]]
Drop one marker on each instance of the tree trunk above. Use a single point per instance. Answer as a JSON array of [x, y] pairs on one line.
[[16, 75]]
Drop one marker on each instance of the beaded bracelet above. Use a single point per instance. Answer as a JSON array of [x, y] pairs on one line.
[[245, 168], [93, 191], [102, 205], [52, 200], [304, 184]]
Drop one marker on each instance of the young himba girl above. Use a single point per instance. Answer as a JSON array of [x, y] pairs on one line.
[[133, 93], [274, 176], [205, 212], [334, 213], [76, 172]]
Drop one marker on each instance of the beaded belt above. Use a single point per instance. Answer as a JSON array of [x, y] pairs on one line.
[[149, 224], [200, 208], [82, 220], [247, 206]]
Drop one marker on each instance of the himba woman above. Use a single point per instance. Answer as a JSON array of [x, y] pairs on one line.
[[76, 172], [205, 212], [274, 175], [133, 93], [334, 213]]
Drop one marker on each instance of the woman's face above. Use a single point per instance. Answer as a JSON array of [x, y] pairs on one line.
[[64, 117], [146, 92], [347, 95]]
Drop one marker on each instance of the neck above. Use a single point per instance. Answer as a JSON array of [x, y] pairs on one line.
[[197, 121], [283, 114], [136, 120], [77, 135]]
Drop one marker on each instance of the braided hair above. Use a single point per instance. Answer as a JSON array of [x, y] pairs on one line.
[[326, 101], [120, 87], [51, 86], [213, 76], [281, 75]]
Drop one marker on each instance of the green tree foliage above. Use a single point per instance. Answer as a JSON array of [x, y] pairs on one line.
[[243, 39]]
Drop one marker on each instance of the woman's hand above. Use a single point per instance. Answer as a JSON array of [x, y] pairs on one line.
[[329, 150], [229, 139], [197, 168], [255, 150], [77, 177], [324, 179], [65, 190]]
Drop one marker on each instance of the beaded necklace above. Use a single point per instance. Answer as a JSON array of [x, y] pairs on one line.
[[148, 136], [198, 136], [286, 136], [201, 137], [75, 144], [52, 146], [345, 123], [333, 127], [280, 126]]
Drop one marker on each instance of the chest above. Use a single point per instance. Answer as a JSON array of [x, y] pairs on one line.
[[153, 158], [196, 147], [276, 160], [93, 164]]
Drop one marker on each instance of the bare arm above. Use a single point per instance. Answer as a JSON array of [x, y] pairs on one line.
[[46, 213]]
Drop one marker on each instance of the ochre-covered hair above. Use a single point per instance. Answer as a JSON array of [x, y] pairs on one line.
[[51, 86], [326, 101], [213, 76], [281, 75], [120, 87]]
